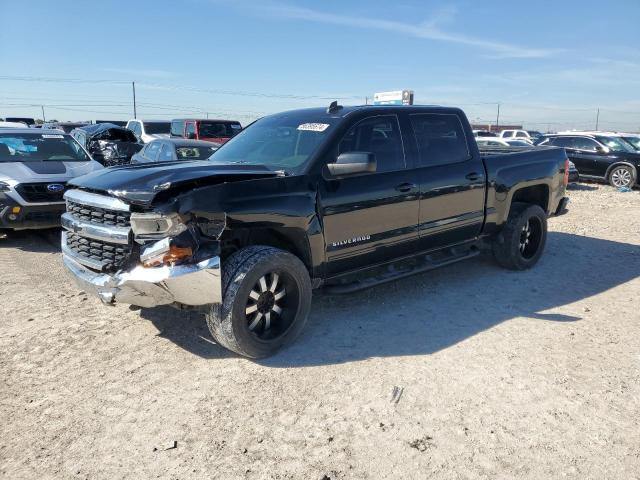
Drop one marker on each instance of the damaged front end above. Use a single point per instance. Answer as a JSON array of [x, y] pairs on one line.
[[141, 258]]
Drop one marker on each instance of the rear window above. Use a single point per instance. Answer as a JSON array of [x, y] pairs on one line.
[[38, 147], [177, 128], [194, 153], [440, 138], [219, 129]]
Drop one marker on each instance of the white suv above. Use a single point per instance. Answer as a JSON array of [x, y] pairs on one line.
[[519, 134], [148, 130]]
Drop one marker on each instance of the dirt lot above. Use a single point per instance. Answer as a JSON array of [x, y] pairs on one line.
[[465, 372]]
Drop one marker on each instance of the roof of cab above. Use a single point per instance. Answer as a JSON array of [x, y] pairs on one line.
[[343, 111]]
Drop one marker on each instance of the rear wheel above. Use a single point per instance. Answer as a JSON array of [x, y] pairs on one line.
[[522, 240], [266, 301], [622, 176]]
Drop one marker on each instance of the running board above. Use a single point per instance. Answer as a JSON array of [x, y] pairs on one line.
[[427, 262]]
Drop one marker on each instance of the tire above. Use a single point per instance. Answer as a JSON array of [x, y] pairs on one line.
[[520, 244], [622, 176], [255, 318]]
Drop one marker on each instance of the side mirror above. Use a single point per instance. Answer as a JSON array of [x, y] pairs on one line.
[[353, 163], [601, 149]]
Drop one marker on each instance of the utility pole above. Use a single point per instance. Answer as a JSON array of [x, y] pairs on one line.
[[207, 115], [366, 100], [498, 118], [135, 113], [597, 119], [43, 117]]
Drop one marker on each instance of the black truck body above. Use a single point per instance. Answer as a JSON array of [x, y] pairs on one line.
[[421, 190]]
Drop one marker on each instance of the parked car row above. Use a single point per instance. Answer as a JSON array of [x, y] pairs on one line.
[[217, 131], [600, 155], [613, 157]]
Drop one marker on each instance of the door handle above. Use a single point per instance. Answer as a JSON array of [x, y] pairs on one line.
[[472, 176], [406, 187]]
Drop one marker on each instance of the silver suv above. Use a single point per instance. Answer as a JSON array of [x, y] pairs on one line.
[[35, 166]]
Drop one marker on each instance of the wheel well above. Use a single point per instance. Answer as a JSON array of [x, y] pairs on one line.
[[620, 164], [535, 195], [291, 240]]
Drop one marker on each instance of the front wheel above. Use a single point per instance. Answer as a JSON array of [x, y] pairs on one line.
[[520, 244], [266, 301], [622, 176]]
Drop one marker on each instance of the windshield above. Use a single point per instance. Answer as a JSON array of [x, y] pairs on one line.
[[633, 141], [153, 128], [36, 147], [194, 153], [615, 144], [279, 142], [218, 129]]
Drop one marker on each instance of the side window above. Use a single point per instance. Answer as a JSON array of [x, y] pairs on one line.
[[521, 135], [177, 128], [166, 153], [135, 128], [380, 136], [191, 130], [151, 152], [440, 138], [79, 136], [583, 143], [566, 142]]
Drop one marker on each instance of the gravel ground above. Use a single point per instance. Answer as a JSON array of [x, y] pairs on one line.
[[466, 372]]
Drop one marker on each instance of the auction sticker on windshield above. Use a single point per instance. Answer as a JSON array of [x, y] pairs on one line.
[[313, 127], [52, 136]]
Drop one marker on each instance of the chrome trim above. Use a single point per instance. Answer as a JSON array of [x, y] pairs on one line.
[[95, 200], [193, 284], [89, 262], [110, 234]]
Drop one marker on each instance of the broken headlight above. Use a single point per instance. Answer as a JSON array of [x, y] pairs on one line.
[[152, 226], [165, 252]]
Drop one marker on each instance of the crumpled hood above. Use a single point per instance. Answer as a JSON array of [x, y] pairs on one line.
[[139, 184], [49, 171]]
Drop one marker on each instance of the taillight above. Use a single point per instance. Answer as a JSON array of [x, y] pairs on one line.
[[565, 180]]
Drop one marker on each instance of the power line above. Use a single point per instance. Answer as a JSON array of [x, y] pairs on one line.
[[176, 87]]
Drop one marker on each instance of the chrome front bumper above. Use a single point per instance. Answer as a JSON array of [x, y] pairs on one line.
[[198, 284]]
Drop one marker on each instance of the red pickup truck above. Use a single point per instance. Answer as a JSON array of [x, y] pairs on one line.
[[218, 131]]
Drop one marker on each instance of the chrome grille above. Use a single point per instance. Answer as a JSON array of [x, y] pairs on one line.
[[98, 231], [109, 255], [99, 215]]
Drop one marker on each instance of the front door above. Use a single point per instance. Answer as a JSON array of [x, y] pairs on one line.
[[452, 181], [370, 218]]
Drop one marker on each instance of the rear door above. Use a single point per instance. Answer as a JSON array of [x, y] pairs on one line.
[[582, 163], [585, 153], [452, 181], [370, 218]]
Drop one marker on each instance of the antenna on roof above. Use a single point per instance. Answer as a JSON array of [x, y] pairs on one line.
[[334, 107]]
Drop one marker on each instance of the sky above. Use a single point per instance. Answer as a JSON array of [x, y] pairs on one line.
[[550, 65]]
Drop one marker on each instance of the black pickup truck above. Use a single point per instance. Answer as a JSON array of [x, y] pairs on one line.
[[340, 198]]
